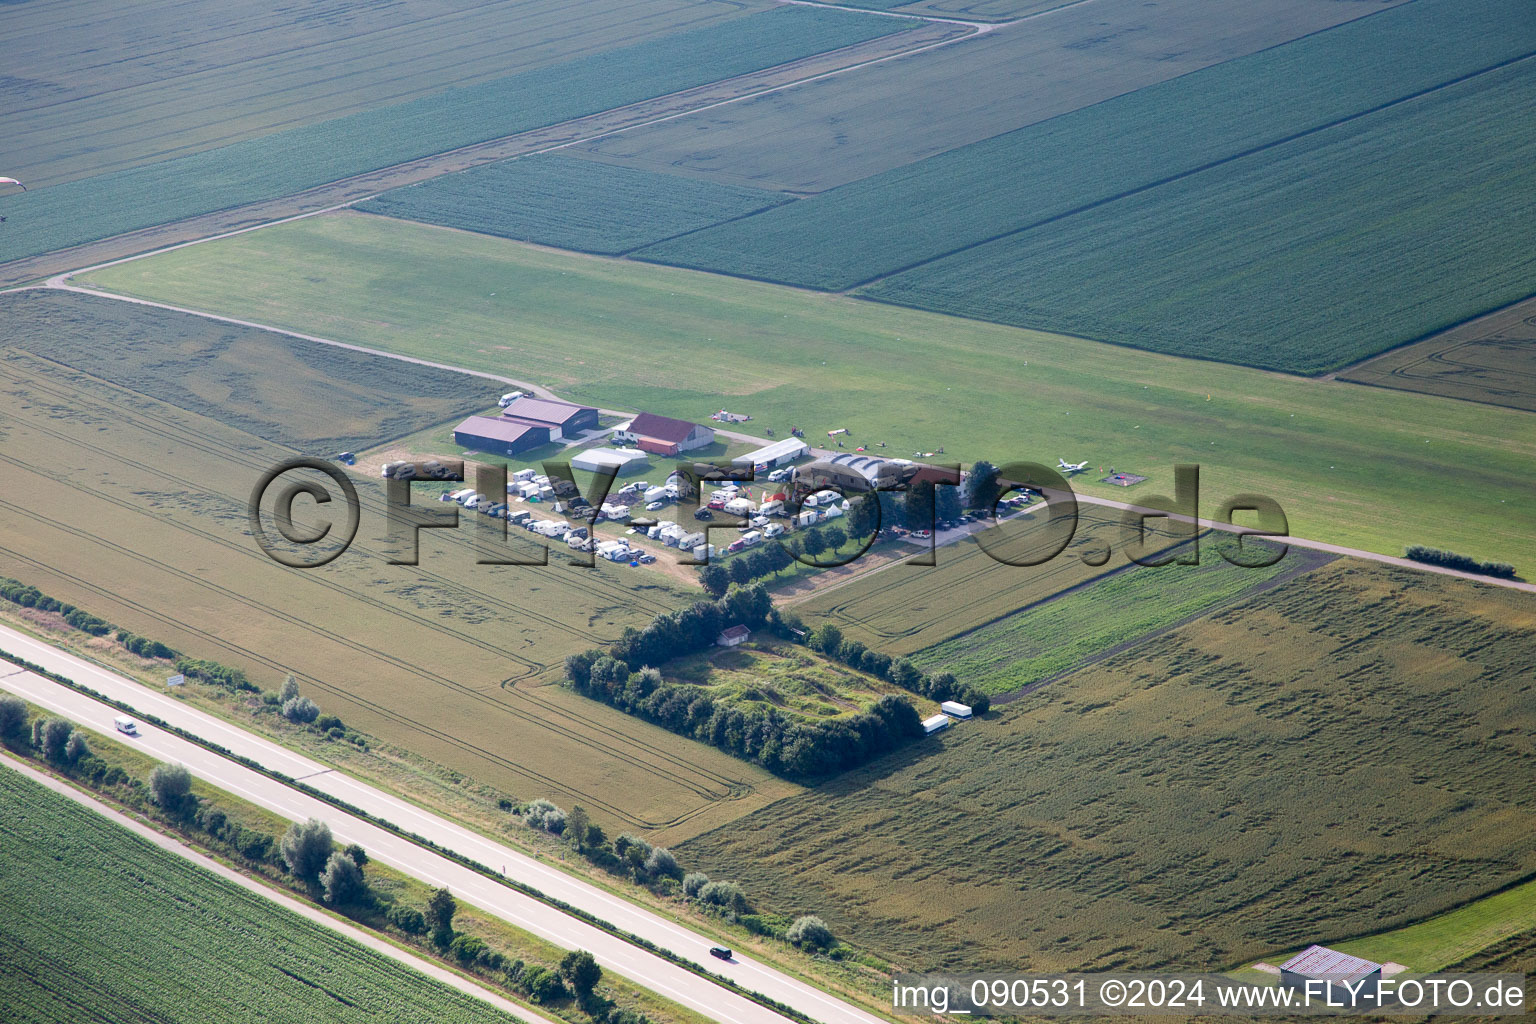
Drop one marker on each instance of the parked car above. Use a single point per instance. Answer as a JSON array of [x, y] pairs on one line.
[[703, 513], [347, 457], [647, 559], [435, 470], [779, 475]]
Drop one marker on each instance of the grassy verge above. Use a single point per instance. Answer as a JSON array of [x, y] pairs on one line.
[[853, 979], [915, 380]]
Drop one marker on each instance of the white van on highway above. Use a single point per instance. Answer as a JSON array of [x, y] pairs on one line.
[[126, 725]]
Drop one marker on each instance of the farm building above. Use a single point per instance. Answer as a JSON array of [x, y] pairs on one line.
[[499, 436], [733, 636], [1349, 980], [934, 724], [780, 453], [853, 474], [661, 435], [596, 459], [955, 709], [562, 419]]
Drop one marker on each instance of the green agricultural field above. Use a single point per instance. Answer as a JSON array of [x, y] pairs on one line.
[[122, 500], [97, 923], [829, 132], [1344, 753], [1097, 619], [1516, 955], [573, 204], [1492, 359], [290, 161], [1366, 467], [947, 203], [975, 10], [1314, 253], [903, 609], [1450, 938], [81, 97], [798, 682]]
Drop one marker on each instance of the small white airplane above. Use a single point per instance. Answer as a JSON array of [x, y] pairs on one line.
[[1070, 467]]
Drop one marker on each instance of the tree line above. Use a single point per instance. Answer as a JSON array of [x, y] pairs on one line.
[[1453, 560], [624, 677]]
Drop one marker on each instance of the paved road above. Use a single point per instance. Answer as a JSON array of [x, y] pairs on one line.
[[287, 902], [539, 918]]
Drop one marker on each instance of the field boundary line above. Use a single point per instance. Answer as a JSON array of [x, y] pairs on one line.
[[1168, 180], [207, 862]]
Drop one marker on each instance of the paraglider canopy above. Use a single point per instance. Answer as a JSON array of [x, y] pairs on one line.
[[13, 181]]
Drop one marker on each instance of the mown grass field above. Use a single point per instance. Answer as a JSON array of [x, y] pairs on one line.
[[105, 87], [573, 204], [1366, 467], [1027, 646], [99, 924], [1347, 752], [976, 193], [120, 501], [1491, 360], [904, 609], [1309, 255], [302, 157], [1452, 937], [827, 133], [798, 682]]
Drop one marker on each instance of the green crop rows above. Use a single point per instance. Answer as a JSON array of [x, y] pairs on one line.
[[1035, 179], [572, 203], [291, 161], [98, 924], [1313, 254], [1052, 637]]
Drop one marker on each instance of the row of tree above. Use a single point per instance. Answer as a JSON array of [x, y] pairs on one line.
[[308, 853], [940, 686], [1465, 563], [656, 867], [787, 746], [28, 596]]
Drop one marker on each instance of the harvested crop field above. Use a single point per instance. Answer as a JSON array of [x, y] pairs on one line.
[[1347, 752], [827, 133], [81, 96], [97, 923], [1491, 359], [309, 155], [126, 503]]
